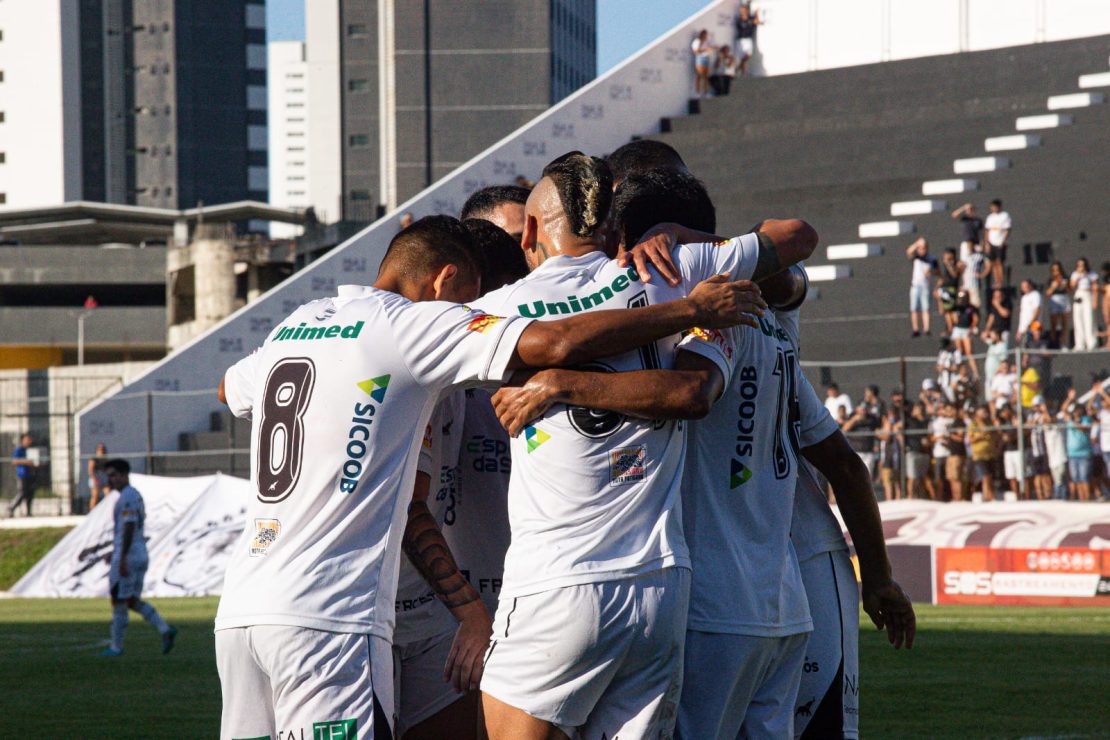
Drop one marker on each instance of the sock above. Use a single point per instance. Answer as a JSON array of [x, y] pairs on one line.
[[151, 615], [119, 624]]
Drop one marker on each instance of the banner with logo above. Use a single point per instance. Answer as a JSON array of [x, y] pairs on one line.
[[190, 525], [1019, 576]]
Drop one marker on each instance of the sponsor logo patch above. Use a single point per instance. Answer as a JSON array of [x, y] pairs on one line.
[[740, 475], [534, 436], [266, 532], [712, 336], [336, 729], [427, 441], [483, 323], [375, 387], [626, 465]]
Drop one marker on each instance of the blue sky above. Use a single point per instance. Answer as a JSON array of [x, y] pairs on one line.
[[623, 26]]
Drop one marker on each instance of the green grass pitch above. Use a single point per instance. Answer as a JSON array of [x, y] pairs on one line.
[[994, 672]]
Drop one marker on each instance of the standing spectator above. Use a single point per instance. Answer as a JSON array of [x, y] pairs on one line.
[[1084, 301], [1030, 381], [1029, 309], [916, 428], [965, 324], [941, 431], [983, 440], [1078, 430], [834, 399], [1059, 304], [920, 279], [1038, 447], [949, 359], [1013, 465], [25, 474], [996, 353], [703, 54], [1101, 398], [971, 229], [1105, 282], [98, 477], [965, 388], [1002, 385], [949, 278], [746, 26], [1056, 450], [974, 276], [724, 69], [998, 225], [1000, 314], [404, 221], [860, 429], [890, 451]]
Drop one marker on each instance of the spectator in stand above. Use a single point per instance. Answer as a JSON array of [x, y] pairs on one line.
[[949, 277], [1078, 430], [1002, 387], [930, 396], [404, 221], [98, 476], [860, 429], [890, 449], [1031, 384], [920, 279], [996, 353], [1059, 305], [747, 23], [949, 359], [1057, 450], [24, 473], [971, 229], [1039, 418], [1029, 309], [834, 398], [1104, 281], [965, 389], [998, 225], [1100, 400], [724, 69], [703, 55], [918, 447], [947, 456], [1000, 314], [873, 402], [1084, 301], [983, 440], [965, 324]]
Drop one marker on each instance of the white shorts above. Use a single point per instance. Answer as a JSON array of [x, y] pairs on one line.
[[1011, 463], [828, 699], [122, 588], [739, 686], [418, 677], [596, 659], [304, 682], [746, 47]]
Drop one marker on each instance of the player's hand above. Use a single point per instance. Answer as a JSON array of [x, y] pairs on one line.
[[124, 571], [654, 248], [888, 606], [463, 669], [528, 396], [722, 304]]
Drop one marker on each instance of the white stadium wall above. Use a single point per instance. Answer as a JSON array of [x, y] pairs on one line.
[[177, 395]]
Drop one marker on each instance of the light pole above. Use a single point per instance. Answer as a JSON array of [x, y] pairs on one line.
[[81, 336]]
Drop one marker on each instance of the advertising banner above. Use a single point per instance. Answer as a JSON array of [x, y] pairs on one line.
[[1020, 576]]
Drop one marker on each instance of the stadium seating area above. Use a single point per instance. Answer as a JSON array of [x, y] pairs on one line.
[[859, 151]]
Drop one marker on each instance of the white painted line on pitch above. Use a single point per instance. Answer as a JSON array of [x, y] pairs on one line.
[[852, 251], [917, 207], [1075, 100], [979, 164], [1011, 142], [1098, 79], [1046, 120], [885, 228], [948, 187]]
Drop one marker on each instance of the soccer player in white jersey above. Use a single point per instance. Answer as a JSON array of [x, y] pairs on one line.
[[593, 498], [337, 394], [129, 561]]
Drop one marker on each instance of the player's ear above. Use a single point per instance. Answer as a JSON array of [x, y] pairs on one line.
[[440, 285], [530, 234]]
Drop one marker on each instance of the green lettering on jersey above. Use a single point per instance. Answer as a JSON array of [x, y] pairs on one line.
[[577, 304]]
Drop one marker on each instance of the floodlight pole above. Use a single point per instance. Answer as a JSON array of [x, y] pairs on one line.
[[81, 337]]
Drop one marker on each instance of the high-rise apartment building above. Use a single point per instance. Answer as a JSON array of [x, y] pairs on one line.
[[402, 92], [149, 102], [288, 131]]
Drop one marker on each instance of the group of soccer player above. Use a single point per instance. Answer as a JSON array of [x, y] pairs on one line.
[[628, 539]]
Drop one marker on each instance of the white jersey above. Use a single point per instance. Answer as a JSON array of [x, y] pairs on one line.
[[813, 527], [594, 495], [338, 396], [738, 492], [129, 509], [420, 614], [478, 529]]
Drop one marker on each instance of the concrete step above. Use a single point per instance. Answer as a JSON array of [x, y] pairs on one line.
[[948, 187], [917, 207], [825, 273], [1046, 120], [980, 164], [885, 228], [1075, 100], [853, 251], [1011, 142], [1098, 79]]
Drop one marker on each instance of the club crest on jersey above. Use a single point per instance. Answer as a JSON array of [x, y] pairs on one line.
[[740, 475], [266, 532], [375, 387], [713, 336], [626, 465], [483, 323], [534, 437]]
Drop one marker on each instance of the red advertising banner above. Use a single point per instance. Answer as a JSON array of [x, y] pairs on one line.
[[1029, 577]]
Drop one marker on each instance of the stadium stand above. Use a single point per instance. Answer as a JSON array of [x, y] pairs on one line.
[[867, 154]]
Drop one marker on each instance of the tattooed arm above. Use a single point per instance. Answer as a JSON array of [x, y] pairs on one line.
[[427, 550]]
